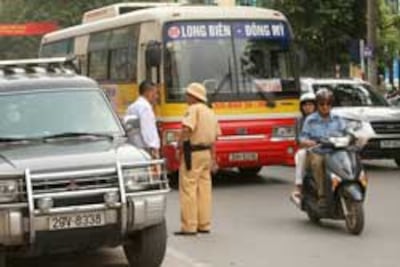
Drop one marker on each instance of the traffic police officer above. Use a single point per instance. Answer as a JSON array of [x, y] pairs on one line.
[[199, 132]]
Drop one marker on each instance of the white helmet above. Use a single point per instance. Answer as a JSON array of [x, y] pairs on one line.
[[307, 97]]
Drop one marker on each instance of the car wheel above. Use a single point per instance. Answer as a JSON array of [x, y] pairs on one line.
[[146, 248], [252, 171]]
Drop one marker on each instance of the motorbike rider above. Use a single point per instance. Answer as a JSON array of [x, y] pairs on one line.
[[307, 106], [319, 125]]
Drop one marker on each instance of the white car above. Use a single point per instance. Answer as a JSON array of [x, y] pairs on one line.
[[359, 104]]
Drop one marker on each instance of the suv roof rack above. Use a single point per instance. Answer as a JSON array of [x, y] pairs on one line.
[[57, 65]]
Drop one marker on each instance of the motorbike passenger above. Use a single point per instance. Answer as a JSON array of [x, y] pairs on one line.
[[307, 106], [319, 125]]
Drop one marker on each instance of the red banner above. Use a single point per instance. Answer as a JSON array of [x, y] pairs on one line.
[[34, 28]]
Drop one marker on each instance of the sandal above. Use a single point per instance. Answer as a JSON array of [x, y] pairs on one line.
[[295, 197]]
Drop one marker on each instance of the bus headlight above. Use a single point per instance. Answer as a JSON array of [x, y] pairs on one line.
[[8, 190], [283, 133]]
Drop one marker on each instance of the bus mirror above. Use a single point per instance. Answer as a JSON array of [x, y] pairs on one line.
[[153, 54]]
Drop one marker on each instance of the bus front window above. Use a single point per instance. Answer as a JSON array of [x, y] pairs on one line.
[[239, 65]]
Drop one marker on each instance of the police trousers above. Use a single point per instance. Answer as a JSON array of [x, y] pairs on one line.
[[195, 192]]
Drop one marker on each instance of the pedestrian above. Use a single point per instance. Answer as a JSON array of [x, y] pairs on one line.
[[142, 108], [199, 132]]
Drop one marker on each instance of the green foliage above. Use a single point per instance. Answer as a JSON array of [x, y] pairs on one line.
[[324, 30], [389, 34], [63, 12]]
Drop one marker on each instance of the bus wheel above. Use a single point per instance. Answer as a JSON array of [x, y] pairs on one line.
[[173, 179], [252, 171]]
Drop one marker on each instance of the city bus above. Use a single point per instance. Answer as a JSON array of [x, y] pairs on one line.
[[242, 55]]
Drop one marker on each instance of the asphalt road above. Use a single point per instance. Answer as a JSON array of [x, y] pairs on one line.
[[255, 225]]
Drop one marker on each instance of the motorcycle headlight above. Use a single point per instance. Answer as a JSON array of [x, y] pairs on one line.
[[8, 190], [283, 132], [136, 179]]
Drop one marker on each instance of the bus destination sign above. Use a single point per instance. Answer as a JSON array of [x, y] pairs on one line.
[[211, 30]]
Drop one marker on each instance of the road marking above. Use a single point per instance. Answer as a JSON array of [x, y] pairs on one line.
[[185, 259]]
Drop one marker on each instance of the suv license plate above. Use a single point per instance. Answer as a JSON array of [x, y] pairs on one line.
[[390, 143], [76, 220], [247, 156]]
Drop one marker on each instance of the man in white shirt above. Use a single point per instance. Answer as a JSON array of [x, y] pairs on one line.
[[143, 109]]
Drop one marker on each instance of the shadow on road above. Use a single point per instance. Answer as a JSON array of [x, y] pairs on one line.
[[229, 178], [324, 227], [100, 258]]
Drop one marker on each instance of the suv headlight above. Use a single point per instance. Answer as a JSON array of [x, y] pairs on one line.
[[283, 132], [354, 125], [136, 179], [8, 190]]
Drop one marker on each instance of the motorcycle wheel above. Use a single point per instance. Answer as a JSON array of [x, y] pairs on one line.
[[355, 217]]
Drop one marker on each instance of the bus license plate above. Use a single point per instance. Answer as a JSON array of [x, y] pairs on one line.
[[246, 156], [77, 220], [390, 143]]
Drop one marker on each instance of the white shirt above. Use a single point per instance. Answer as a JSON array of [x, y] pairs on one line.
[[149, 137]]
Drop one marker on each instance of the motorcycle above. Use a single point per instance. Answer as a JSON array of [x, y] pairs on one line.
[[345, 185]]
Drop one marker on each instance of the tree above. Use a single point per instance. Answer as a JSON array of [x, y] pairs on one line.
[[64, 12], [325, 27]]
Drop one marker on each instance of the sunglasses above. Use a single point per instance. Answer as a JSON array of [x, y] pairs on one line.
[[328, 104]]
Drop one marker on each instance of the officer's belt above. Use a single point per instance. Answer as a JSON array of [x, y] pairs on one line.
[[199, 147]]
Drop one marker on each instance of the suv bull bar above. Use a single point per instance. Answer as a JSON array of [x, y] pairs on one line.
[[131, 209]]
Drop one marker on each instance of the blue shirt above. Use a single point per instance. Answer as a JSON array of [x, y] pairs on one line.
[[315, 127]]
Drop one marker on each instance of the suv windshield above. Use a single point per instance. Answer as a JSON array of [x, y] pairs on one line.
[[235, 59], [45, 113], [353, 95]]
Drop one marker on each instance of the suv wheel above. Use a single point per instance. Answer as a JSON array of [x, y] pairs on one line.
[[397, 160], [147, 247]]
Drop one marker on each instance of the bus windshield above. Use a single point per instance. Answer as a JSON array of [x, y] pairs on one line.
[[242, 60]]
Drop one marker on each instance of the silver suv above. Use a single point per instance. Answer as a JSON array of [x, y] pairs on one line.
[[69, 180], [356, 101]]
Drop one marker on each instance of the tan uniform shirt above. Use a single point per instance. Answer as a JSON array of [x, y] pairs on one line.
[[203, 124]]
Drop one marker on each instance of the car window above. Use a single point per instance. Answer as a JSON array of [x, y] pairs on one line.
[[353, 95], [37, 114]]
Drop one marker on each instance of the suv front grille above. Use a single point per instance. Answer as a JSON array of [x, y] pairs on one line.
[[386, 127], [75, 181], [74, 184]]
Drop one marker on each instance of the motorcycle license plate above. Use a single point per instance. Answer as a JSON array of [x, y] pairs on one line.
[[245, 156], [76, 220], [390, 143]]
